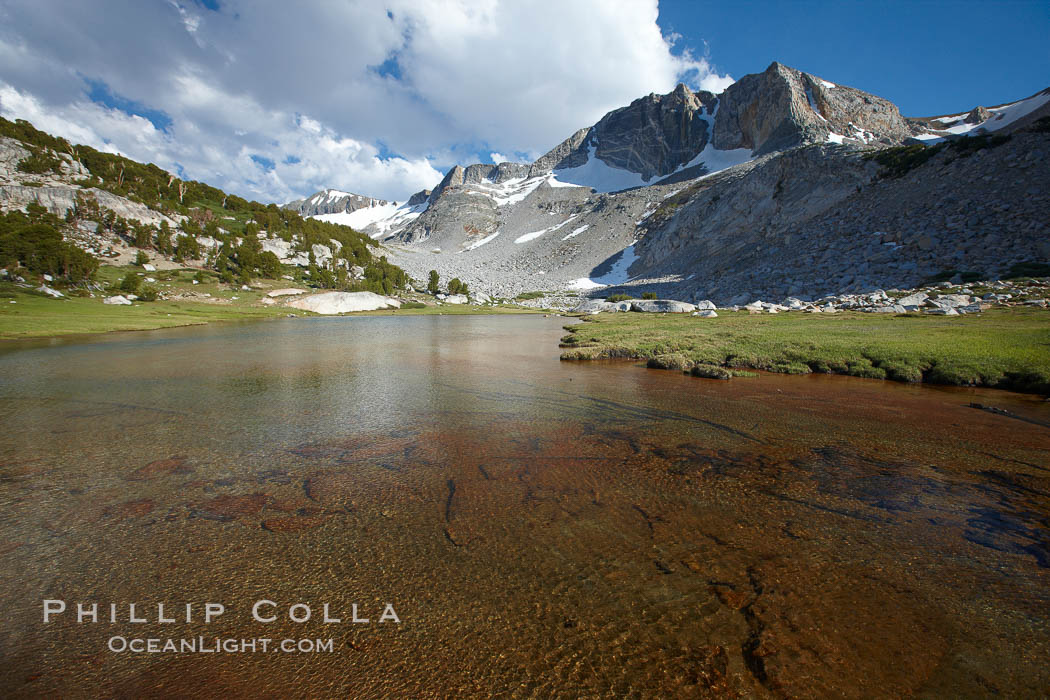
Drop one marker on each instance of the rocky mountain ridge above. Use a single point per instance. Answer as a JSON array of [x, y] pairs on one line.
[[333, 202], [735, 182], [763, 190]]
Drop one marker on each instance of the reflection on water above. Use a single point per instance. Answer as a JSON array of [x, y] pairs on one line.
[[541, 528]]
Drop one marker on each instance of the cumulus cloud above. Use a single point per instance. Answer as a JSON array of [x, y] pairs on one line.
[[274, 100]]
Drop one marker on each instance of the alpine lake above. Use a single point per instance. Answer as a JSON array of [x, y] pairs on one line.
[[508, 524]]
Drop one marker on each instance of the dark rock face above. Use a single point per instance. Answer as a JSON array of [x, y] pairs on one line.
[[333, 202], [781, 108], [454, 213], [655, 135], [479, 174], [570, 153], [777, 109], [652, 136], [419, 198]]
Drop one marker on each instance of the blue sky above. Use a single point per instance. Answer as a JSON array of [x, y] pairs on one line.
[[928, 57], [274, 100]]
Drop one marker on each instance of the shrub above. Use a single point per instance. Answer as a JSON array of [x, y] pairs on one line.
[[269, 265], [149, 293], [455, 286], [130, 283], [650, 295], [187, 248], [972, 144], [900, 160], [413, 305], [1040, 126], [1028, 269], [613, 298], [39, 162], [530, 295], [141, 258]]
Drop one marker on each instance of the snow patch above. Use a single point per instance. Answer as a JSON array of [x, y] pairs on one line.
[[617, 275], [861, 134], [536, 234], [510, 192], [813, 105], [554, 182], [1001, 117], [717, 160], [828, 85], [1008, 114], [384, 217], [577, 231], [584, 283], [835, 138], [604, 178], [597, 175], [713, 159], [483, 241]]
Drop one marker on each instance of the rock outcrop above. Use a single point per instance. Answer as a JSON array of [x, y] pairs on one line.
[[653, 136], [329, 303]]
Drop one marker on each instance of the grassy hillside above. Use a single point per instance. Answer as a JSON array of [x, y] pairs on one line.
[[202, 210]]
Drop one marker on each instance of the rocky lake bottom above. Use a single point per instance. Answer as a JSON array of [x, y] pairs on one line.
[[542, 528]]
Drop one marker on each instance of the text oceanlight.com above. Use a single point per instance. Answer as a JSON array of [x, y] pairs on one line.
[[217, 645]]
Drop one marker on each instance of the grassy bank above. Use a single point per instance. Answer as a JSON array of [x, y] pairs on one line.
[[1004, 348], [35, 314]]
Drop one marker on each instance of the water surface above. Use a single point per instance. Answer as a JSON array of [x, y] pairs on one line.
[[542, 528]]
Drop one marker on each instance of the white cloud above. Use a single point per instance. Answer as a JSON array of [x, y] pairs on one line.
[[297, 84]]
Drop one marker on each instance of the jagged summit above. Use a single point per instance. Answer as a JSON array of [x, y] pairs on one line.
[[653, 136], [783, 107], [333, 202]]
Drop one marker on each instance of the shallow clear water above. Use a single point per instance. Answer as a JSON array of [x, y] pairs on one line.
[[541, 528]]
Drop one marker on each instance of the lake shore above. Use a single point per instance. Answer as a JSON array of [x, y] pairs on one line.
[[26, 313], [1000, 348]]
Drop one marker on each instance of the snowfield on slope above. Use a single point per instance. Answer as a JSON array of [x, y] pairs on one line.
[[617, 275], [385, 218]]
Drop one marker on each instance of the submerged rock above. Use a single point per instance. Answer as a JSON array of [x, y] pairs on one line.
[[161, 467]]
